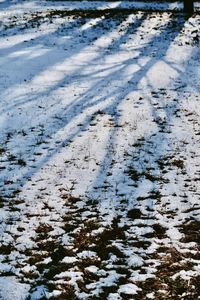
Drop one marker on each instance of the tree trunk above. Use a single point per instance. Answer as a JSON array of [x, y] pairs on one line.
[[188, 6]]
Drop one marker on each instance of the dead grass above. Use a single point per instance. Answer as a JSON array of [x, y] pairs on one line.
[[6, 249], [191, 230], [134, 213], [163, 286], [136, 176]]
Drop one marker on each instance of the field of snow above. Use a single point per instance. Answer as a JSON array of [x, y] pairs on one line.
[[99, 151]]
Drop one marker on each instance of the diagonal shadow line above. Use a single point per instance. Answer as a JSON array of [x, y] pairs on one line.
[[70, 76], [74, 34], [115, 43], [110, 78], [106, 163], [38, 16], [160, 139], [182, 75], [56, 60], [120, 97], [70, 137]]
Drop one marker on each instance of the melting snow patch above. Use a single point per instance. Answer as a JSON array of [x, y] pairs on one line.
[[86, 254], [69, 260], [55, 294], [129, 289], [135, 261], [11, 289], [114, 296], [150, 296], [174, 233], [185, 275], [39, 293], [92, 269]]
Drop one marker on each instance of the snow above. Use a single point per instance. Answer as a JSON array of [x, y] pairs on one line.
[[135, 260], [99, 148], [113, 296], [11, 289], [92, 269], [38, 293], [36, 5], [86, 254], [150, 296], [130, 289], [69, 260]]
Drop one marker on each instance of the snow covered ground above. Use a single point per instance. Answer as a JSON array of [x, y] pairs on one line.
[[99, 152], [36, 5]]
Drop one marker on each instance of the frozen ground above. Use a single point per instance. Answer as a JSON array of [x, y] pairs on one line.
[[99, 153]]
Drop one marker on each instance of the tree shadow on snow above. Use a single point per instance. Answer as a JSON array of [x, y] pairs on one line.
[[84, 106]]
